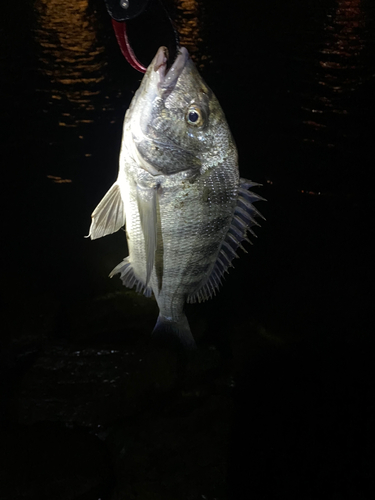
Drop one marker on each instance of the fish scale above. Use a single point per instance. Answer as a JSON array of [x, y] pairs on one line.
[[190, 230], [178, 192]]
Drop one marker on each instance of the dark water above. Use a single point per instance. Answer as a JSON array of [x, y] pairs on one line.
[[279, 400]]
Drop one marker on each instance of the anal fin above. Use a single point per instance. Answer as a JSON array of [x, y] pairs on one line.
[[129, 278]]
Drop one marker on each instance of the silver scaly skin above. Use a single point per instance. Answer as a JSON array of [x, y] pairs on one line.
[[178, 192]]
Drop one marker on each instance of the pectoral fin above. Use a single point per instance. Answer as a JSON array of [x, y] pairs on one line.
[[109, 215], [146, 199]]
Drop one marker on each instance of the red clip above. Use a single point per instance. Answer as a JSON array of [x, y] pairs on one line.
[[127, 51]]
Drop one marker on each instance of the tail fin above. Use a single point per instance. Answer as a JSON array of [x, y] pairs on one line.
[[175, 333]]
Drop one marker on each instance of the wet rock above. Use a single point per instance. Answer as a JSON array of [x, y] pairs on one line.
[[174, 454], [84, 385], [50, 462]]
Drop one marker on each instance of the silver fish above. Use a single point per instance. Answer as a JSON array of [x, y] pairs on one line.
[[178, 192]]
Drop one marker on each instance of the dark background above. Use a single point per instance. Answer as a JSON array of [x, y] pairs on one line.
[[278, 401]]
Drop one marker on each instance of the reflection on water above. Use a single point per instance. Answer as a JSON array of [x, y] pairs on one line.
[[189, 26], [58, 180], [339, 71], [309, 101], [345, 39], [344, 35], [70, 56]]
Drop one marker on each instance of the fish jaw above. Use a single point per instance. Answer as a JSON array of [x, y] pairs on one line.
[[168, 79], [145, 136], [155, 83]]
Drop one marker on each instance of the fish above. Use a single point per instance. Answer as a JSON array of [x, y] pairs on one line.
[[179, 194]]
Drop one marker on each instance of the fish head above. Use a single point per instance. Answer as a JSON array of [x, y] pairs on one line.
[[175, 122]]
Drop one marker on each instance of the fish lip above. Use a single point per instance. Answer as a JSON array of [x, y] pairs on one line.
[[169, 77]]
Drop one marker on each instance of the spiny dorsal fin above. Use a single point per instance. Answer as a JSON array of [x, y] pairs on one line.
[[243, 219], [109, 215]]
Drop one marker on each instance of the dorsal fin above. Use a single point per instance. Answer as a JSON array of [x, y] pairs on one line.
[[243, 219]]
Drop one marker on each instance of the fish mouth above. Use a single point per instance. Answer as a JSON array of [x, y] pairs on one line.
[[161, 82], [169, 76]]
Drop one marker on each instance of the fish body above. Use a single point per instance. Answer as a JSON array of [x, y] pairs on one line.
[[178, 192]]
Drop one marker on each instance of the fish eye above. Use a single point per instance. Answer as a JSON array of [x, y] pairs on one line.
[[194, 116]]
